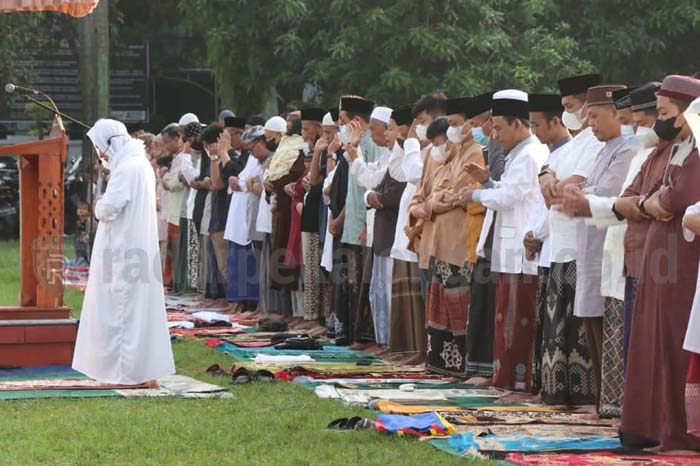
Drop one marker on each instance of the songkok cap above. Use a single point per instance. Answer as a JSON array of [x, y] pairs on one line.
[[483, 103], [644, 97], [193, 129], [188, 118], [234, 122], [252, 133], [313, 114], [602, 95], [226, 114], [356, 105], [578, 84], [382, 114], [276, 124], [403, 116], [328, 120], [549, 103], [692, 116], [255, 120], [462, 105], [510, 103], [335, 113], [622, 99], [685, 88]]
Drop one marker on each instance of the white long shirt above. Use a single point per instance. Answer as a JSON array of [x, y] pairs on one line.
[[513, 197]]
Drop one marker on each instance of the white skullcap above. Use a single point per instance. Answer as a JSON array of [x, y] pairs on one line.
[[188, 118], [382, 114], [692, 116], [511, 94], [328, 120], [276, 124]]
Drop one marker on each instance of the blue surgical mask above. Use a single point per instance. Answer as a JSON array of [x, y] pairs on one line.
[[479, 136], [628, 134]]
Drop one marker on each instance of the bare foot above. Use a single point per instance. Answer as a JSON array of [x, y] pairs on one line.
[[416, 360], [479, 381], [153, 384], [360, 346]]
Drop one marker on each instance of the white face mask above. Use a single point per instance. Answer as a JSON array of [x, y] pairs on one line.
[[422, 132], [646, 137], [439, 153], [344, 134], [573, 121], [454, 134]]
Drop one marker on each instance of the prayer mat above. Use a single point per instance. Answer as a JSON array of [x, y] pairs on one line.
[[602, 459], [420, 425], [206, 331], [518, 442], [479, 416], [62, 384]]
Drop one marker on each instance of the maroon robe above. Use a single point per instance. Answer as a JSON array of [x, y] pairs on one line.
[[654, 405]]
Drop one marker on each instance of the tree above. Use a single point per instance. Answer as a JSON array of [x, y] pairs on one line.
[[391, 51]]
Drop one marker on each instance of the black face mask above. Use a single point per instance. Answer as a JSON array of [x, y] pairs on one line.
[[197, 145], [664, 129], [271, 145]]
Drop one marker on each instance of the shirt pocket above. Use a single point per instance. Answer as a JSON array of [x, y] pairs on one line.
[[507, 232]]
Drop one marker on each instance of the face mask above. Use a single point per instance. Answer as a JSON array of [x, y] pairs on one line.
[[628, 134], [665, 130], [573, 121], [479, 136], [271, 145], [646, 137], [305, 147], [439, 153], [197, 145], [422, 132], [344, 134], [454, 134]]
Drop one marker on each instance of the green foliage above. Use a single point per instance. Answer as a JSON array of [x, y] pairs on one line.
[[391, 51]]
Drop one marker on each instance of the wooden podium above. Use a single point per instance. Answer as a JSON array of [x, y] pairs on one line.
[[39, 331]]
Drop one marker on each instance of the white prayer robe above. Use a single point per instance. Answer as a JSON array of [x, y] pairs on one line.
[[123, 335]]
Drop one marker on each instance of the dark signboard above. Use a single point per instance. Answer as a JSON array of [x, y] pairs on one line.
[[55, 72]]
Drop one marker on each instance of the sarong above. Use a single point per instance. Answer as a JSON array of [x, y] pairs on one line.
[[193, 258], [314, 293], [242, 285], [543, 277], [203, 263], [380, 298], [613, 365], [181, 282], [407, 327], [514, 331], [447, 310], [567, 370], [692, 395], [482, 312], [364, 325]]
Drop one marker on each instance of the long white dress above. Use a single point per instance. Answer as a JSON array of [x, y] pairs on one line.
[[123, 335]]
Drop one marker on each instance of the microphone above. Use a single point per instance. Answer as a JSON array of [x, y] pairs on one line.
[[10, 88]]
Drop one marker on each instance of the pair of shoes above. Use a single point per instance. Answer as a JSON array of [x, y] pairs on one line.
[[300, 343], [353, 423], [241, 375]]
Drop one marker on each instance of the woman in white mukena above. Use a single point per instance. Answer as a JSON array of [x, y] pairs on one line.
[[123, 334]]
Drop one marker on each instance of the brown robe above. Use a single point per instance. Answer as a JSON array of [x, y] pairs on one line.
[[654, 405]]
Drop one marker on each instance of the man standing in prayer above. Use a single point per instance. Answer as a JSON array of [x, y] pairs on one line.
[[653, 408], [347, 299], [649, 177], [482, 302], [606, 178], [286, 166], [514, 199], [123, 335], [567, 369], [602, 214], [545, 118]]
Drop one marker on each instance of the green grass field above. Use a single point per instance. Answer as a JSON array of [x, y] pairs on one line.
[[275, 424]]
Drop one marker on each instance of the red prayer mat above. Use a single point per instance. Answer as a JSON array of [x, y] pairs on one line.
[[603, 458], [65, 384]]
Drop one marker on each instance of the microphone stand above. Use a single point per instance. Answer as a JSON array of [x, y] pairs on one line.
[[90, 196], [55, 111]]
